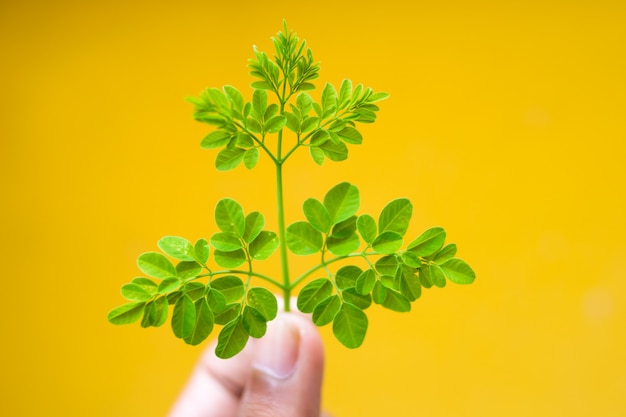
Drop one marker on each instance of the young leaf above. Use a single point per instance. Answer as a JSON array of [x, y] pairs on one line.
[[203, 325], [444, 254], [316, 214], [263, 246], [343, 246], [146, 284], [387, 242], [428, 242], [216, 300], [229, 217], [395, 217], [201, 250], [183, 317], [342, 201], [411, 259], [275, 124], [317, 154], [177, 247], [458, 271], [250, 158], [168, 285], [313, 293], [253, 322], [232, 339], [366, 225], [263, 301], [231, 259], [215, 139], [302, 239], [346, 276], [126, 313], [325, 312], [387, 265], [226, 241], [395, 301], [135, 292], [189, 269], [345, 228], [253, 226], [409, 284], [230, 286], [350, 135], [229, 159], [350, 295], [162, 307], [149, 314], [437, 275], [230, 312], [350, 326], [365, 282], [156, 265], [334, 151]]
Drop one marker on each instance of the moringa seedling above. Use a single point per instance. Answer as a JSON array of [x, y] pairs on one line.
[[360, 257]]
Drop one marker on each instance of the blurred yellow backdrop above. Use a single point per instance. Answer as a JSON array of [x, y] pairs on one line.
[[506, 125]]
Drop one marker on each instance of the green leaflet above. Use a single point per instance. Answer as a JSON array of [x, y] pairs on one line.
[[226, 242], [229, 217], [156, 265], [365, 282], [263, 301], [168, 285], [395, 217], [387, 265], [253, 322], [324, 313], [343, 246], [366, 225], [126, 314], [177, 247], [314, 293], [347, 276], [362, 301], [263, 246], [216, 300], [232, 339], [201, 251], [229, 159], [135, 292], [342, 202], [302, 239], [444, 254], [387, 242], [203, 324], [254, 224], [188, 269], [231, 259], [428, 242], [317, 215], [230, 286], [458, 271], [183, 317], [350, 326]]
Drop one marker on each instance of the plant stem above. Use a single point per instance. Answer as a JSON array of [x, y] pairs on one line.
[[281, 232]]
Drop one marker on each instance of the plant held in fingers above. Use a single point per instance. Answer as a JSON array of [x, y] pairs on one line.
[[363, 259]]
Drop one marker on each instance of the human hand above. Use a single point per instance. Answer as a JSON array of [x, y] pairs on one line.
[[279, 375]]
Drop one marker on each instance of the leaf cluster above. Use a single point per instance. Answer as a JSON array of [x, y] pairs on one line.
[[362, 259]]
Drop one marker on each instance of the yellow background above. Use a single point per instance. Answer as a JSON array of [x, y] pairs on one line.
[[506, 125]]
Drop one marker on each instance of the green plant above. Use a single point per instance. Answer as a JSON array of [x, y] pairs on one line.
[[360, 257]]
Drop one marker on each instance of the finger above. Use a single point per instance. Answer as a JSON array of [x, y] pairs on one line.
[[215, 386], [287, 370]]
